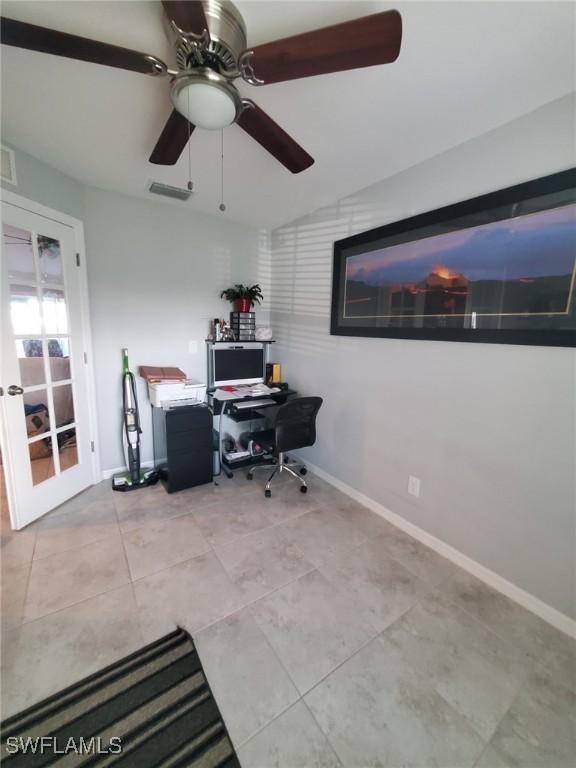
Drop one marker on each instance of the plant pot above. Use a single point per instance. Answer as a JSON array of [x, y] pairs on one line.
[[242, 305]]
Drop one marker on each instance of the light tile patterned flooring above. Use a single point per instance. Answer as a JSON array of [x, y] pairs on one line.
[[329, 637]]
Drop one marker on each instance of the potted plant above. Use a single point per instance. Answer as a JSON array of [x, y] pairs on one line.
[[243, 296]]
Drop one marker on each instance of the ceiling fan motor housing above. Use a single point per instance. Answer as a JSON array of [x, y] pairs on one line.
[[227, 36]]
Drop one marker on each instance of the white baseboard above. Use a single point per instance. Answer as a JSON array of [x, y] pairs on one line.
[[108, 473], [525, 599]]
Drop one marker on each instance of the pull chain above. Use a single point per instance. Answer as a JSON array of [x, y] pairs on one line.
[[222, 207], [190, 185]]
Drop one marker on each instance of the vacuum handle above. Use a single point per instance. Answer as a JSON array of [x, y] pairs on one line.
[[125, 363]]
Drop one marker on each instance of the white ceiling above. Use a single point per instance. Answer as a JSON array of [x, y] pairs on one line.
[[464, 68]]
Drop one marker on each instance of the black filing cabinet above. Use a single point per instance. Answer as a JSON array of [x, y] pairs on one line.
[[183, 450]]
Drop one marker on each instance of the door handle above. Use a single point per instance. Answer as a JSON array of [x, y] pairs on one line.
[[13, 389]]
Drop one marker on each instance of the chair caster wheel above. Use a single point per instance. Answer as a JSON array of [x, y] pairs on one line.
[[267, 494], [303, 471], [303, 489]]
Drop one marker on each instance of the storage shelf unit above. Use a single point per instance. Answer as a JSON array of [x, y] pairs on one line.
[[244, 325]]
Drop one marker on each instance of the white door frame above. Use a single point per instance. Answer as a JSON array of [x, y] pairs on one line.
[[77, 227]]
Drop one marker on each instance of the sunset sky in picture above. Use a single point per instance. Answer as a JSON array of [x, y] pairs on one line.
[[537, 245]]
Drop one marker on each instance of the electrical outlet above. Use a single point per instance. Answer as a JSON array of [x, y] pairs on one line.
[[413, 485], [193, 347]]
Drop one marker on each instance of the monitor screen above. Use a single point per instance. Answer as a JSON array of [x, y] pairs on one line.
[[242, 365]]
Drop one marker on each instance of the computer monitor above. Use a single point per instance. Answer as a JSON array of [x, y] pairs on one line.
[[237, 364]]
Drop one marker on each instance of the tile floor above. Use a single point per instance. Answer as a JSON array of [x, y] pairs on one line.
[[329, 637]]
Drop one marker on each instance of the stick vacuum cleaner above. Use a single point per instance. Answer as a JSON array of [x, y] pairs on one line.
[[135, 477]]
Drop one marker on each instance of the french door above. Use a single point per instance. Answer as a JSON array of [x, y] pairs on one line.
[[47, 441]]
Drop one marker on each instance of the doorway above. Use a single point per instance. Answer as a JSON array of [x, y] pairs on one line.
[[47, 405]]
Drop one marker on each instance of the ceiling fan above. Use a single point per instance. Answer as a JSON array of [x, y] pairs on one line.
[[209, 38]]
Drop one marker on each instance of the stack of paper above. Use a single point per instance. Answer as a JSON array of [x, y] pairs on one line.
[[234, 393], [165, 375], [222, 394], [257, 390]]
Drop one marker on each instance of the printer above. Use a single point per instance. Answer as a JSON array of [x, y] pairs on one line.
[[191, 390]]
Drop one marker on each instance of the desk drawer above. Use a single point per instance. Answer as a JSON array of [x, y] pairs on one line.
[[188, 469], [188, 418], [193, 440]]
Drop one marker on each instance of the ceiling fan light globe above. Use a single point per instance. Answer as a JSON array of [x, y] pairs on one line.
[[206, 100]]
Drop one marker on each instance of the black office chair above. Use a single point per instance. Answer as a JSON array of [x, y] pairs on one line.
[[294, 427]]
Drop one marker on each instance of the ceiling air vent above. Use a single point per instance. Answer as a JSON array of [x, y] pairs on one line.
[[8, 165], [165, 189]]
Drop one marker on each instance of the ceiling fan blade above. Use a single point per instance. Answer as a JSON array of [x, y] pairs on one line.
[[172, 141], [273, 138], [364, 42], [29, 36], [187, 14]]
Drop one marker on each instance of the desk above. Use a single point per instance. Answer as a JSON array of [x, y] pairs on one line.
[[225, 410]]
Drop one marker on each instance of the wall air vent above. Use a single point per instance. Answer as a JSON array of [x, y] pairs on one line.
[[166, 190], [8, 171]]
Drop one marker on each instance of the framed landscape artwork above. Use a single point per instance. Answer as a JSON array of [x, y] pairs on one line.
[[500, 268]]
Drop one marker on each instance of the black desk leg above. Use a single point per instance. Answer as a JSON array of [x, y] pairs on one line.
[[228, 472]]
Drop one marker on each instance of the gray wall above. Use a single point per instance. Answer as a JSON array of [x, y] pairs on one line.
[[155, 272], [45, 184], [489, 429]]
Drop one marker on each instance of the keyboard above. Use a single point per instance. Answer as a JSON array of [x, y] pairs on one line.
[[243, 404]]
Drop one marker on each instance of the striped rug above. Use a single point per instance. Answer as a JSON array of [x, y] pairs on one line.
[[153, 708]]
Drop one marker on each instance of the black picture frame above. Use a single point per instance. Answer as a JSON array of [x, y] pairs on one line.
[[550, 192]]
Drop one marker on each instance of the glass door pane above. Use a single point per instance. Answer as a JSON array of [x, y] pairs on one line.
[[68, 449], [41, 460], [25, 309], [30, 354], [54, 311], [59, 357], [18, 254], [50, 260]]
